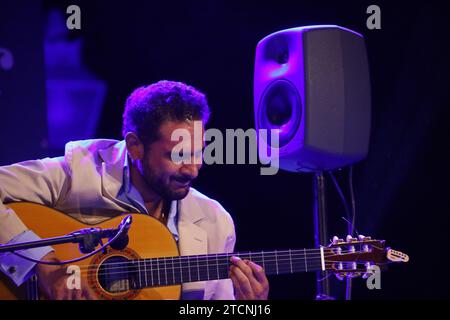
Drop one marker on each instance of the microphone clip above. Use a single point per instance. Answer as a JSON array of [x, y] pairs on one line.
[[88, 239]]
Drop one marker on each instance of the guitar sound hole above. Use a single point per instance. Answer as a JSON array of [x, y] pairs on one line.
[[113, 274]]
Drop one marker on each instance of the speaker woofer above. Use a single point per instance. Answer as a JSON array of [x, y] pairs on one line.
[[280, 108]]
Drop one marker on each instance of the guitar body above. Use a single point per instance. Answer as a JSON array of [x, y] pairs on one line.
[[148, 238]]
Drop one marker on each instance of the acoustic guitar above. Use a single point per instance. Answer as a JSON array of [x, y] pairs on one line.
[[150, 267]]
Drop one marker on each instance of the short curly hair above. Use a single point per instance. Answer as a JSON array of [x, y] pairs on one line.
[[150, 106]]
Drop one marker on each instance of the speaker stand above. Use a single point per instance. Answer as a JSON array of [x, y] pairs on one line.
[[320, 233]]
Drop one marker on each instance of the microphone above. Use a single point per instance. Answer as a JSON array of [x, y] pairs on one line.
[[89, 239], [122, 240]]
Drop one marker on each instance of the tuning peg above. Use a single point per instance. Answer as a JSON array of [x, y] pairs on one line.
[[363, 238], [351, 239], [336, 240]]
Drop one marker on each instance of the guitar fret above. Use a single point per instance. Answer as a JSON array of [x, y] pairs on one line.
[[145, 273], [276, 261], [157, 266], [304, 257], [139, 273], [207, 268], [198, 269], [151, 271], [173, 271], [181, 270], [290, 260], [227, 263], [165, 270], [217, 266], [189, 268]]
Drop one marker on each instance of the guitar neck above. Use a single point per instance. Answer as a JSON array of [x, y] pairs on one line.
[[177, 270]]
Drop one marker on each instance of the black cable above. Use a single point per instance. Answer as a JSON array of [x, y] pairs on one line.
[[344, 201], [352, 197]]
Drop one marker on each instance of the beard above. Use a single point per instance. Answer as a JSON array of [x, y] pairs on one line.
[[170, 188]]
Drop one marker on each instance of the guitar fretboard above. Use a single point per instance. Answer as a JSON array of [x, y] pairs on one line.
[[177, 270]]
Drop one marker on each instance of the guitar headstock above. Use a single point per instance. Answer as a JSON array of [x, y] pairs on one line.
[[356, 257]]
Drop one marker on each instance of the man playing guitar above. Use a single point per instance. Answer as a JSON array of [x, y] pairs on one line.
[[97, 179]]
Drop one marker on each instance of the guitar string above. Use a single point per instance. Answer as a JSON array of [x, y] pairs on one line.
[[213, 257], [286, 269], [128, 272], [173, 267], [159, 283], [192, 265], [294, 263], [201, 263], [279, 255], [181, 280]]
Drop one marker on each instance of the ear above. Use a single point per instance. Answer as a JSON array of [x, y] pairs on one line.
[[135, 146]]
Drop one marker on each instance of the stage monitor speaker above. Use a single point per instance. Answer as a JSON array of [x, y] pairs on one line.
[[312, 84]]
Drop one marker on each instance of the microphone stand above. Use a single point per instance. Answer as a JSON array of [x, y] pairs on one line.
[[87, 239], [320, 233]]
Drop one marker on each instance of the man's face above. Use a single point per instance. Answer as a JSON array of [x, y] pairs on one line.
[[172, 180]]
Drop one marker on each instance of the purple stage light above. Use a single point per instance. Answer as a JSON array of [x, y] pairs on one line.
[[74, 95]]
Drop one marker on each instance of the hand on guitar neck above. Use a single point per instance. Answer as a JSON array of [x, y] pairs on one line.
[[53, 282], [249, 280]]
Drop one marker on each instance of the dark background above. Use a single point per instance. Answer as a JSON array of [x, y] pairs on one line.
[[402, 188]]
